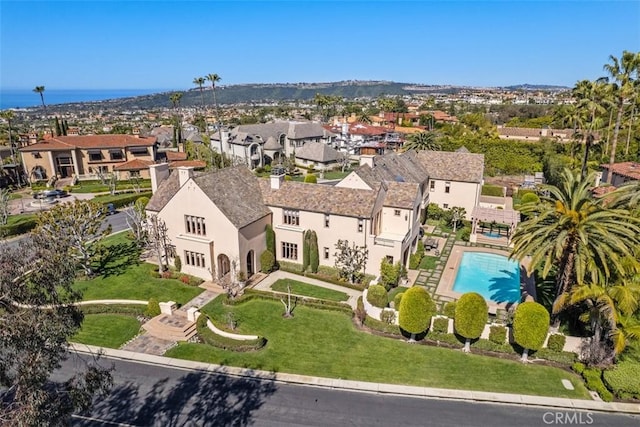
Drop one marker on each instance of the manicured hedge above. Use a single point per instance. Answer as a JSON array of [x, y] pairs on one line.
[[593, 380], [449, 309], [471, 315], [556, 342], [563, 357], [530, 325], [492, 190], [624, 379], [211, 338], [498, 334], [128, 309], [397, 299], [416, 309], [377, 296], [441, 325], [267, 261], [120, 200], [326, 274], [250, 294]]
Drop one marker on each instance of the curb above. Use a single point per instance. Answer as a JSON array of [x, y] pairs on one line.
[[368, 387]]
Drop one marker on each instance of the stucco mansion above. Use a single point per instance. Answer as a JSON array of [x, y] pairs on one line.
[[216, 220]]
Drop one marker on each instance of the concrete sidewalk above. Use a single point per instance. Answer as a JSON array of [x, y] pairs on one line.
[[368, 387], [265, 285]]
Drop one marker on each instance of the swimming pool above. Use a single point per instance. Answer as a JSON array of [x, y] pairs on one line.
[[493, 276]]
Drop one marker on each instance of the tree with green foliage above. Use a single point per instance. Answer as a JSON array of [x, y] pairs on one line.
[[350, 260], [80, 225], [574, 233], [39, 316], [267, 261], [457, 215], [416, 309], [530, 198], [270, 236], [177, 263], [530, 327], [377, 296], [306, 238], [625, 75], [397, 300], [389, 273], [215, 78], [177, 129], [58, 128], [471, 315], [314, 255], [422, 141], [153, 308], [200, 81]]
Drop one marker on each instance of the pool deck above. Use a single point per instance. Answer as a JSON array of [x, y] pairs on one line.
[[448, 277]]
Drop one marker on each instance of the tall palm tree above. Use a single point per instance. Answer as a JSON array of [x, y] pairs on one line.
[[215, 78], [199, 81], [40, 90], [175, 101], [571, 231], [624, 72], [422, 141]]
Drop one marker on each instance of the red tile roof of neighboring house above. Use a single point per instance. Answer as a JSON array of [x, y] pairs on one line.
[[603, 190], [626, 169], [196, 164], [133, 165], [172, 156], [90, 141]]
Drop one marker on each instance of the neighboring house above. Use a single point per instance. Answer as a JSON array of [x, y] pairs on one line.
[[533, 134], [317, 154], [87, 156], [621, 172], [215, 221], [249, 142]]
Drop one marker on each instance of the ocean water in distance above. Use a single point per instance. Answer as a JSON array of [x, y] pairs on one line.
[[23, 98]]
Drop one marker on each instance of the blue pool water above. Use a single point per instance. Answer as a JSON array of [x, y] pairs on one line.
[[493, 276]]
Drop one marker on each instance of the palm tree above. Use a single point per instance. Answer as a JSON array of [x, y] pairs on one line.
[[624, 73], [175, 101], [422, 141], [214, 78], [199, 81], [363, 118], [571, 231], [40, 90]]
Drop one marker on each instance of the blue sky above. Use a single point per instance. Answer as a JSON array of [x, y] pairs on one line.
[[165, 44]]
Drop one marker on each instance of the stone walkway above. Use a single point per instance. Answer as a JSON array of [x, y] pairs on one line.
[[148, 344], [265, 285]]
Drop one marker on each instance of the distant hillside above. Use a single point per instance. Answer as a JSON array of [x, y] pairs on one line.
[[257, 93]]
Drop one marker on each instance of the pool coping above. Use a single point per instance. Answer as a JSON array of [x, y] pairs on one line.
[[450, 271]]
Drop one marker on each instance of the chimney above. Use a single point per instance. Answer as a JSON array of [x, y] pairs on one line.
[[367, 159], [277, 177], [184, 174], [158, 174], [136, 132]]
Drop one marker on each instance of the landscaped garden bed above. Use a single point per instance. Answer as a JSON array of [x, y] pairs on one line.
[[306, 289]]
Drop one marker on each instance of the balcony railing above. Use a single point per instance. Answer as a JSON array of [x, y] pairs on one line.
[[383, 242]]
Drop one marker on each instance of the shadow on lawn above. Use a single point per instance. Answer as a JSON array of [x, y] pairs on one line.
[[114, 259], [195, 399]]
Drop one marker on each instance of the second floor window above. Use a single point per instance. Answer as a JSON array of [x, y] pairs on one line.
[[396, 212], [116, 155], [326, 220], [432, 186], [290, 217], [195, 225], [447, 187], [95, 156], [360, 225]]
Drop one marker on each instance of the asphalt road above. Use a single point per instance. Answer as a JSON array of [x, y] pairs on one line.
[[118, 222], [150, 395]]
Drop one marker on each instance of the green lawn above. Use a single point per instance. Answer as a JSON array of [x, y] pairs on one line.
[[98, 187], [305, 289], [336, 174], [18, 224], [122, 278], [393, 292], [107, 330], [326, 344], [428, 263]]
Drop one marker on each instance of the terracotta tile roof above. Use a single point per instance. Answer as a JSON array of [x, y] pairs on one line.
[[626, 169], [196, 164], [401, 194], [91, 141], [320, 198], [133, 165], [172, 156], [165, 192], [602, 190], [235, 191]]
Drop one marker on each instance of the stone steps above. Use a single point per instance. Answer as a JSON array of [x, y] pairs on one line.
[[174, 327]]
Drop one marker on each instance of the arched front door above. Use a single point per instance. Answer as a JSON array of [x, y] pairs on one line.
[[224, 266], [250, 263]]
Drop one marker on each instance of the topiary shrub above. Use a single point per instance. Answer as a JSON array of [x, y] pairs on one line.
[[420, 249], [153, 308], [416, 309], [314, 256], [624, 379], [397, 299], [593, 380], [440, 325], [377, 296], [287, 178], [465, 234], [306, 239], [497, 334], [530, 326], [142, 202], [449, 309], [388, 274], [470, 318], [530, 198], [271, 239], [267, 261], [414, 261], [311, 179], [556, 342], [177, 263]]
